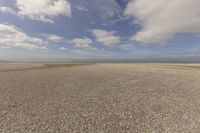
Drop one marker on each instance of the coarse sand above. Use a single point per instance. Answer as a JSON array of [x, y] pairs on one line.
[[99, 98]]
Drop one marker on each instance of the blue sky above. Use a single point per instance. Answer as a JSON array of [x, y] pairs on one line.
[[65, 30]]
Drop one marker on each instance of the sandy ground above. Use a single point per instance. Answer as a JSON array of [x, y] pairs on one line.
[[4, 66], [100, 98]]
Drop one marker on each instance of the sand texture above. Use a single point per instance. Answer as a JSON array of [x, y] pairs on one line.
[[99, 98]]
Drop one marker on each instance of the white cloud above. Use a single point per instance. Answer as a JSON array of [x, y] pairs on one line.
[[81, 8], [53, 38], [62, 48], [82, 42], [163, 19], [5, 9], [105, 37], [11, 36], [43, 10]]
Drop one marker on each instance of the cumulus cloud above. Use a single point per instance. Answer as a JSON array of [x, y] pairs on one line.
[[43, 10], [161, 20], [82, 42], [53, 38], [105, 37], [11, 36], [5, 9]]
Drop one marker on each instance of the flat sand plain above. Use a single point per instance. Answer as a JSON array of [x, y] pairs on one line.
[[99, 98]]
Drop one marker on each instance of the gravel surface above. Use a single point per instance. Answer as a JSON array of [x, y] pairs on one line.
[[100, 98]]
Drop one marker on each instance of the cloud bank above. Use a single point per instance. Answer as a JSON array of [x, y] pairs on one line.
[[161, 20]]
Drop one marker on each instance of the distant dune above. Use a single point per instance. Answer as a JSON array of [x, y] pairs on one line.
[[106, 98]]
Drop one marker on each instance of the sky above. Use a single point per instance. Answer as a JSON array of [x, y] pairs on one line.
[[68, 30]]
